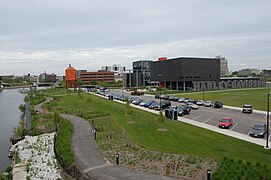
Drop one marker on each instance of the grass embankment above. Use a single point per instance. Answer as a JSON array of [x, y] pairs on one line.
[[180, 138], [63, 143]]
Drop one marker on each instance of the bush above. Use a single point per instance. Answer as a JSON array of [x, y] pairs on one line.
[[230, 168], [63, 144]]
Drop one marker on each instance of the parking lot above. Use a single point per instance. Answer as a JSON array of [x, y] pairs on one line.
[[208, 115]]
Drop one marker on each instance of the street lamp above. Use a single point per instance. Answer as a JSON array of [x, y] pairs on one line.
[[267, 123]]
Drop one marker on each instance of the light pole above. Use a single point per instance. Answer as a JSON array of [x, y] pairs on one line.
[[267, 123]]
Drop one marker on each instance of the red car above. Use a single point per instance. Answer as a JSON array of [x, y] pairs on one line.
[[225, 122]]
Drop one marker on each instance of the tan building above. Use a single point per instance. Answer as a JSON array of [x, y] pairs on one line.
[[224, 68], [249, 72]]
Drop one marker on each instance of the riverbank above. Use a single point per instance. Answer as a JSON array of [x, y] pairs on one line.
[[17, 87]]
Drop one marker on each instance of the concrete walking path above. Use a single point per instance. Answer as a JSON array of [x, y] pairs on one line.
[[91, 160]]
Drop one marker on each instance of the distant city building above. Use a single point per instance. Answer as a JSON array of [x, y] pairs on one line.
[[78, 72], [70, 75], [140, 75], [266, 73], [44, 77], [249, 72], [224, 68], [30, 78], [99, 76], [117, 69]]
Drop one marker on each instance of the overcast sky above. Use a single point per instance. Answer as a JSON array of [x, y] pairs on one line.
[[38, 35]]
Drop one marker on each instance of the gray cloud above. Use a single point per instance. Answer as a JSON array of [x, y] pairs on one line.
[[48, 35]]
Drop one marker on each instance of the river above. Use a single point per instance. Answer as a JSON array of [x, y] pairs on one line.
[[9, 118]]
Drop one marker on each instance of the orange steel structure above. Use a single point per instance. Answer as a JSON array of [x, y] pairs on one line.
[[70, 73]]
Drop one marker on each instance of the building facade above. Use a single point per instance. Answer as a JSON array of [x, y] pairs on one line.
[[117, 69], [224, 68], [140, 75], [180, 73], [99, 76], [48, 78], [249, 72], [78, 72]]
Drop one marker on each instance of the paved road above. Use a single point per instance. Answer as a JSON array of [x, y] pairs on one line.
[[211, 116], [91, 160]]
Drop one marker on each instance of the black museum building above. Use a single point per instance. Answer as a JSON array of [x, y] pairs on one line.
[[189, 73]]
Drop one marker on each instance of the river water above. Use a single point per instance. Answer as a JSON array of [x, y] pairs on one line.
[[10, 116]]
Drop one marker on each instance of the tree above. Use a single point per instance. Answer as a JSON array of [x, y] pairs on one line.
[[161, 119], [102, 84], [129, 110], [56, 120], [22, 108], [80, 83]]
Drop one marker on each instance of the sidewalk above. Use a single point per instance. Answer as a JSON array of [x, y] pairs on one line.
[[91, 160]]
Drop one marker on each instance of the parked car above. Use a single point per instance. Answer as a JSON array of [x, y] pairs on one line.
[[152, 106], [208, 103], [137, 101], [218, 104], [192, 105], [181, 100], [225, 122], [165, 97], [164, 104], [258, 130], [183, 110], [157, 96], [171, 98], [148, 103], [200, 102], [137, 93], [247, 108], [142, 103], [175, 99]]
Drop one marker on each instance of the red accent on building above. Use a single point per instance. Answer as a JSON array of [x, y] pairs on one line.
[[162, 58], [70, 73], [105, 76], [162, 84]]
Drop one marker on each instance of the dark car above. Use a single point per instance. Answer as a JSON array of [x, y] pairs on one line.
[[164, 105], [152, 106], [137, 101], [247, 108], [165, 97], [175, 99], [258, 130], [157, 96], [148, 103], [183, 110], [218, 104]]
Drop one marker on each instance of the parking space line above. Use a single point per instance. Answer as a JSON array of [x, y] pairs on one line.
[[269, 137], [265, 116], [229, 110], [196, 117], [248, 133], [217, 125], [251, 114], [233, 126], [208, 119]]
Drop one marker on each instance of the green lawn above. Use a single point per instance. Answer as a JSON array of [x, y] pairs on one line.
[[179, 138], [233, 97]]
